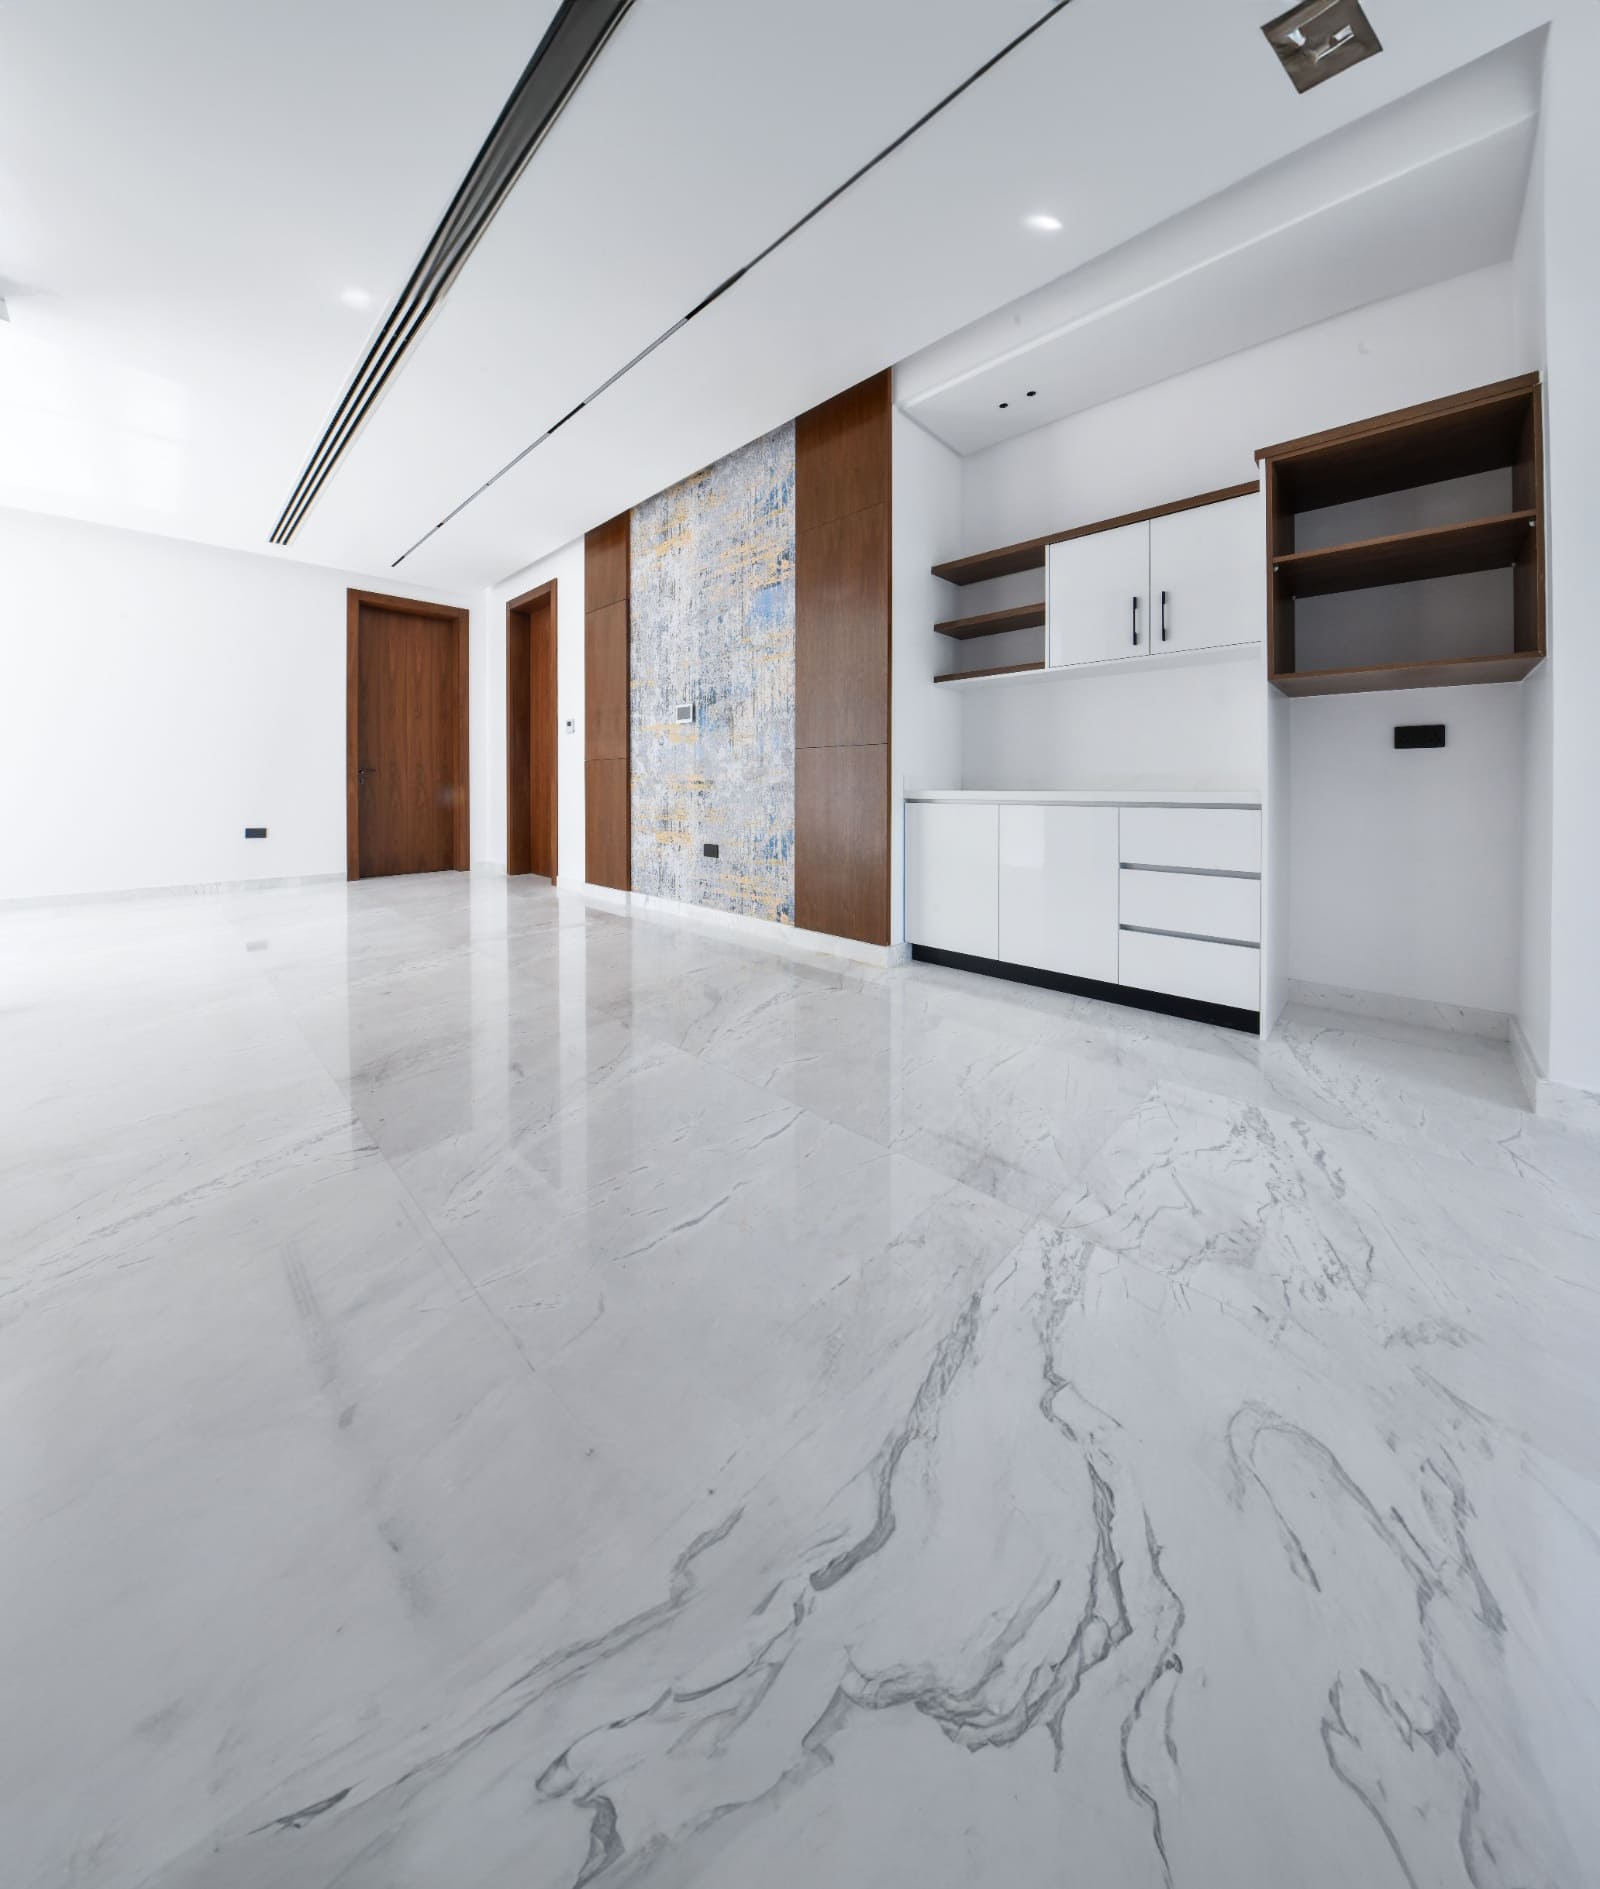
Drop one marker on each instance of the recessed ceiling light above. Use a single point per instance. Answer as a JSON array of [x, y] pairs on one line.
[[1032, 391], [1004, 404], [1042, 220], [356, 298]]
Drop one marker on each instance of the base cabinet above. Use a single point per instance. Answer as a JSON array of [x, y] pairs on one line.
[[952, 864], [1058, 889]]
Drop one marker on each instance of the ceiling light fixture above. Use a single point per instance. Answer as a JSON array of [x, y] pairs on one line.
[[1324, 37], [1042, 220], [356, 298]]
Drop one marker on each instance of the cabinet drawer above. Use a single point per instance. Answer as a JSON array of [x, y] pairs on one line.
[[1207, 906], [1216, 839], [1192, 967]]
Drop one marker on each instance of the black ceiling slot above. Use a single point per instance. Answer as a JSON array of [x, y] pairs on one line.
[[816, 210], [570, 46]]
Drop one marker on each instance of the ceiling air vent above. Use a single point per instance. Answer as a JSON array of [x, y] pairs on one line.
[[1319, 40]]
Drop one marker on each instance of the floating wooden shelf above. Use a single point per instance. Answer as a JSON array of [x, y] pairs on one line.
[[1009, 669], [1488, 429], [1483, 544], [1409, 675], [1029, 554], [1027, 616]]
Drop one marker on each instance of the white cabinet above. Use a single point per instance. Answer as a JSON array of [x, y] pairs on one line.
[[1208, 576], [952, 868], [1097, 591], [1204, 839], [1199, 904], [1058, 889], [1185, 581]]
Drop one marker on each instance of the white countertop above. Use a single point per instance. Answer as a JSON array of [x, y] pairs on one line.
[[1094, 796]]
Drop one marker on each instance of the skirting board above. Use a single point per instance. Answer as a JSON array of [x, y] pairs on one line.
[[1223, 1015], [200, 890], [756, 931], [1460, 1018], [1553, 1101]]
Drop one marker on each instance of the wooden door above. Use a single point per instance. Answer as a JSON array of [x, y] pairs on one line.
[[1206, 590], [531, 730], [406, 743], [1099, 587]]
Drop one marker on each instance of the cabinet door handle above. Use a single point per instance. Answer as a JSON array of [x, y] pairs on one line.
[[1136, 622], [1163, 616]]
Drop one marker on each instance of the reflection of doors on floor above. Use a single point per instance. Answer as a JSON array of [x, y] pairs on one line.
[[405, 737], [531, 733]]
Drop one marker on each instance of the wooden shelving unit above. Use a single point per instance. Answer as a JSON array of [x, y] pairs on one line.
[[1007, 669], [1028, 555], [1026, 616], [1490, 429]]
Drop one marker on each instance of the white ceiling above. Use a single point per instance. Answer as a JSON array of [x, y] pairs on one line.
[[1424, 189], [185, 189]]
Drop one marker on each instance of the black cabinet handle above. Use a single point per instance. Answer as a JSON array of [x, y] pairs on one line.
[[1136, 622], [1163, 616]]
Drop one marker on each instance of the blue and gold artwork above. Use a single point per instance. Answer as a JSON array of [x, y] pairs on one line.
[[712, 625]]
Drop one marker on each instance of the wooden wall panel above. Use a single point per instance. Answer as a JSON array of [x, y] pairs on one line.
[[841, 873], [607, 828], [841, 651], [519, 736], [605, 683], [841, 454], [843, 512], [607, 817], [605, 564]]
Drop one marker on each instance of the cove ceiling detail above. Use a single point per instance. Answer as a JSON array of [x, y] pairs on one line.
[[712, 623]]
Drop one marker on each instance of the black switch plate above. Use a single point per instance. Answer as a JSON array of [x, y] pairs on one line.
[[1422, 734], [710, 851], [255, 832]]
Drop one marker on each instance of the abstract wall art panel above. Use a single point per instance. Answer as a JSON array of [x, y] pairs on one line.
[[712, 636]]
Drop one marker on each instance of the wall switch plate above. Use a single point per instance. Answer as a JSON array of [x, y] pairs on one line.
[[684, 712], [1420, 735], [710, 851], [255, 832], [572, 726]]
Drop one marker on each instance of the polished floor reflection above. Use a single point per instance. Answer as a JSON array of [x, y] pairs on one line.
[[497, 1393]]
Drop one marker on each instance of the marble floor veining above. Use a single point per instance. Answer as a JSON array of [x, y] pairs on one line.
[[494, 1392]]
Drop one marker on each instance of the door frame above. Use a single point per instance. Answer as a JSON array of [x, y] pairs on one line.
[[523, 606], [461, 835]]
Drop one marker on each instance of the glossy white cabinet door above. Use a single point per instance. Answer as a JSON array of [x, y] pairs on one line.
[[1058, 889], [1208, 576], [1098, 591], [952, 865]]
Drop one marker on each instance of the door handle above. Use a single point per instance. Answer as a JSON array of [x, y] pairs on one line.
[[1163, 616], [363, 772], [1136, 622]]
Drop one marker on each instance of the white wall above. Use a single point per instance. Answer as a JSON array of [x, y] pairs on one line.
[[1571, 163], [926, 732], [1404, 878], [1532, 1008], [1406, 871], [489, 712], [1200, 726], [1200, 431], [157, 698]]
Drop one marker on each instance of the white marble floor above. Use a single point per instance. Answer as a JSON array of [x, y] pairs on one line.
[[496, 1393]]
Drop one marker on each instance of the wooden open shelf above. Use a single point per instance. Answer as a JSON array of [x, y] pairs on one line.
[[1009, 669], [1407, 557], [1489, 429], [1026, 616], [1028, 555], [1408, 675]]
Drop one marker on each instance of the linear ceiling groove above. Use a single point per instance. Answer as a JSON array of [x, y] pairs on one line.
[[571, 44], [738, 275]]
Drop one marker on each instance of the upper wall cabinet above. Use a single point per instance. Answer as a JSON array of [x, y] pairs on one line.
[[1097, 592], [1181, 581]]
